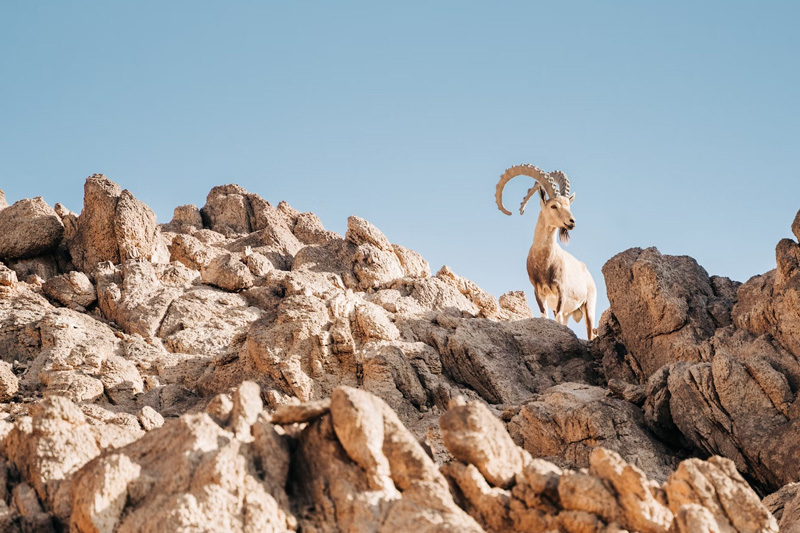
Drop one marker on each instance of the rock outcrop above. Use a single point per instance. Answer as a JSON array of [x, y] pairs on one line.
[[719, 360], [242, 368]]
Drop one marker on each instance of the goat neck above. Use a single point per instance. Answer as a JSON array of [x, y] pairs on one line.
[[544, 239]]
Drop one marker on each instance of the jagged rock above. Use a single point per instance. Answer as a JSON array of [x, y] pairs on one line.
[[82, 360], [375, 262], [515, 305], [796, 226], [192, 252], [206, 321], [361, 470], [186, 216], [414, 265], [149, 418], [778, 500], [785, 507], [114, 226], [137, 294], [42, 267], [771, 303], [228, 272], [202, 478], [231, 208], [20, 311], [475, 436], [300, 413], [74, 290], [3, 202], [665, 306], [566, 422], [9, 384], [317, 315], [48, 447], [309, 229], [28, 228], [611, 495], [717, 486], [7, 276], [741, 405], [505, 362]]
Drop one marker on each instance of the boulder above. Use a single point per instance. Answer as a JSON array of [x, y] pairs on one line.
[[74, 290], [114, 226], [29, 227], [565, 423], [665, 307], [359, 469]]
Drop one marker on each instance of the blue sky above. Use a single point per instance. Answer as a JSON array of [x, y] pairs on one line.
[[677, 122]]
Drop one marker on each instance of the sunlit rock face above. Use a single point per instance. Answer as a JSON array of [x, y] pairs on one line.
[[242, 368]]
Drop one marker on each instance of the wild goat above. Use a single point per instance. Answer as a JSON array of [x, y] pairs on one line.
[[560, 281]]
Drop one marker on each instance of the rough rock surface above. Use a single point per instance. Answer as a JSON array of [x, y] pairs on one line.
[[74, 290], [28, 228], [611, 495], [719, 361], [113, 226], [566, 422], [242, 368]]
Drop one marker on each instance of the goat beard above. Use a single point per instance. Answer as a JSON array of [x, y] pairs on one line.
[[563, 235]]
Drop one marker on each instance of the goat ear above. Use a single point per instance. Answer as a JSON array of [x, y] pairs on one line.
[[571, 197], [543, 200]]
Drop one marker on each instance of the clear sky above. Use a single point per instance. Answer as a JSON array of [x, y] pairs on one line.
[[677, 122]]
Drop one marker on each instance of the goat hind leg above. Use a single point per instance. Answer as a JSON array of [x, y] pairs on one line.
[[542, 305]]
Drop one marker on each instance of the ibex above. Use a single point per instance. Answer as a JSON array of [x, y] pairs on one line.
[[560, 281]]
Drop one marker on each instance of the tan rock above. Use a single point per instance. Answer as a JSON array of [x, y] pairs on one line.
[[9, 384], [516, 305], [718, 487], [7, 276], [73, 290], [137, 294], [365, 472], [796, 226], [229, 272], [187, 215], [475, 436], [486, 303], [52, 444], [149, 418], [114, 226], [28, 228], [309, 229], [202, 478], [570, 420], [414, 265], [640, 509], [206, 321], [192, 252], [661, 304]]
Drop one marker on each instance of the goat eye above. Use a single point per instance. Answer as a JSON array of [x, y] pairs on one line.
[[553, 207]]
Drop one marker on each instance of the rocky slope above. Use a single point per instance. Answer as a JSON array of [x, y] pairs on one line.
[[243, 369]]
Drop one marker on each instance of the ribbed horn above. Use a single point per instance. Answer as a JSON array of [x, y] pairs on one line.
[[544, 180], [562, 180]]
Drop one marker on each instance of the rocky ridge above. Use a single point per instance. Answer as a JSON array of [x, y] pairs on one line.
[[242, 368]]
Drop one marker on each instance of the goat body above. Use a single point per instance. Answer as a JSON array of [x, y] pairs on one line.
[[560, 281]]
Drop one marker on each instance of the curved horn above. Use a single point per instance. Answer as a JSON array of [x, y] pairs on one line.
[[562, 180], [545, 181]]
